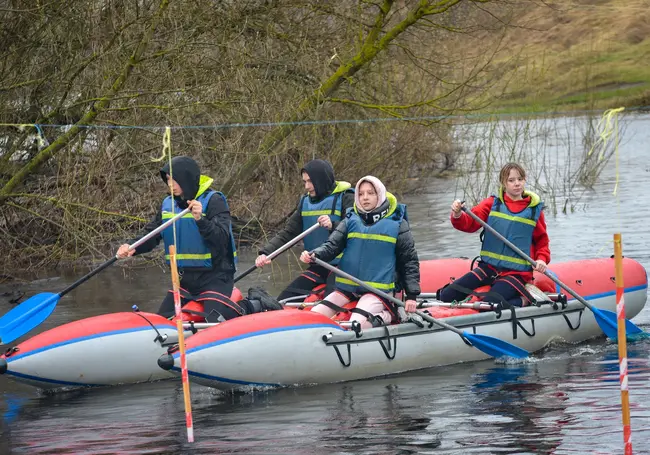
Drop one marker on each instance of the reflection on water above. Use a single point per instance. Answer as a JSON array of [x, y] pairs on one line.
[[526, 414], [565, 400], [560, 403]]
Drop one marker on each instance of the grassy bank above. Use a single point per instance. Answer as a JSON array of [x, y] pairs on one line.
[[573, 56]]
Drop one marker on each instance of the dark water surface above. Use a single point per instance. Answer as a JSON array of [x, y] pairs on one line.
[[565, 400]]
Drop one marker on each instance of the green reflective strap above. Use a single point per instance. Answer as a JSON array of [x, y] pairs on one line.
[[379, 237], [320, 212], [382, 286], [516, 219], [169, 215], [190, 256], [505, 258]]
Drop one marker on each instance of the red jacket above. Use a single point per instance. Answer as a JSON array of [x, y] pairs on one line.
[[540, 247]]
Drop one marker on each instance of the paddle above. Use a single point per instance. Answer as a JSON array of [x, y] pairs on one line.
[[33, 311], [605, 319], [280, 250], [491, 346]]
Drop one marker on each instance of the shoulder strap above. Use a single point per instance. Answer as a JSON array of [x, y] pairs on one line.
[[404, 212], [497, 203], [334, 202]]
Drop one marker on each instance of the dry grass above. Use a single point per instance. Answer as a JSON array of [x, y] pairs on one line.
[[575, 55]]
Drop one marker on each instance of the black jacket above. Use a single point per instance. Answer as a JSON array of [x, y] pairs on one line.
[[407, 265], [293, 228], [214, 227], [321, 174]]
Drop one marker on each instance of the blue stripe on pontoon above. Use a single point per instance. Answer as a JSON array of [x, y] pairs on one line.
[[262, 332], [229, 381], [610, 293], [53, 381], [78, 340], [258, 333]]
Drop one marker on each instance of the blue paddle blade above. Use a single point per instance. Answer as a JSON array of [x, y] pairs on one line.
[[608, 323], [495, 347], [27, 316]]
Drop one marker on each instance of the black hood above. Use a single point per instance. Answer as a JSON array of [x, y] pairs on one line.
[[186, 172], [321, 174]]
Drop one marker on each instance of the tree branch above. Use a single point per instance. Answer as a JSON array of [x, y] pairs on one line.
[[44, 155]]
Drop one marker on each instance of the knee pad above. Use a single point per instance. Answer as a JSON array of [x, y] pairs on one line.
[[441, 292], [375, 320]]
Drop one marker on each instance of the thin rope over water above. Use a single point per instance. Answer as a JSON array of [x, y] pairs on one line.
[[432, 118], [40, 136]]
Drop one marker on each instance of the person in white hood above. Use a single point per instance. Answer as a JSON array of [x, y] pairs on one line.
[[378, 248]]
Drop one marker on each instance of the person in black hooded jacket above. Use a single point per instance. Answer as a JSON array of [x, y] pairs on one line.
[[206, 253], [325, 203]]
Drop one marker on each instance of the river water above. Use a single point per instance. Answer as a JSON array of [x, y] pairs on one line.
[[566, 400]]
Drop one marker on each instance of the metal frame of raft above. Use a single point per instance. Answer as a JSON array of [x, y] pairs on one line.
[[388, 340]]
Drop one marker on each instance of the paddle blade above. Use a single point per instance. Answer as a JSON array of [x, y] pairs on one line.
[[26, 316], [608, 324], [495, 347]]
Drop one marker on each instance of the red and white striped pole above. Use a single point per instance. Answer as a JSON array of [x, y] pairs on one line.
[[181, 344], [622, 343]]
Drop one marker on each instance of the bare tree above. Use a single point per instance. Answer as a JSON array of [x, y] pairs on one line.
[[251, 88]]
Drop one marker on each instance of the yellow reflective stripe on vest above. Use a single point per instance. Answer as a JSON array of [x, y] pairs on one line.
[[383, 286], [516, 219], [320, 212], [191, 256], [170, 215], [505, 258], [380, 237]]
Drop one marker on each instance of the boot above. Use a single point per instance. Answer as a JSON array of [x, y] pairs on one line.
[[259, 300]]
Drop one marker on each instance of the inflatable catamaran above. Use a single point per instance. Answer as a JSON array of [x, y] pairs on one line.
[[298, 347]]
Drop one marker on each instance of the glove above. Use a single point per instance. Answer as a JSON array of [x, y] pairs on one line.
[[410, 317], [416, 319]]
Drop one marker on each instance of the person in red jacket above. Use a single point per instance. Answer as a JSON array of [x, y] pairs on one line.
[[517, 215]]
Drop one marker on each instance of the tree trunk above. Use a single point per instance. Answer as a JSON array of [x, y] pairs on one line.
[[48, 152]]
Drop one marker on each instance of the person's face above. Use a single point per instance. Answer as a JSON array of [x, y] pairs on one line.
[[309, 187], [176, 188], [514, 185], [368, 196]]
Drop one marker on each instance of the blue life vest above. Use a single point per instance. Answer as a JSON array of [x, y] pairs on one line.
[[310, 211], [370, 251], [517, 228], [191, 250]]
